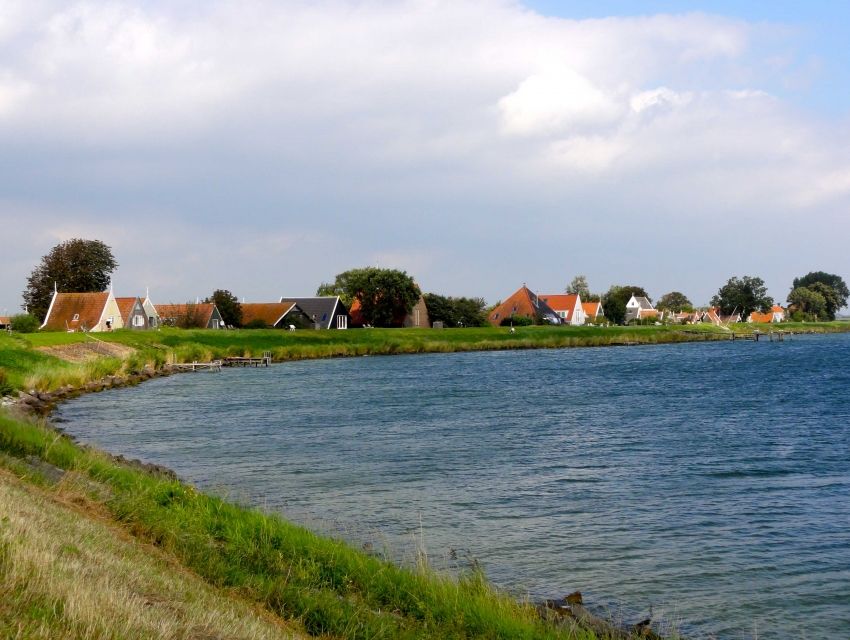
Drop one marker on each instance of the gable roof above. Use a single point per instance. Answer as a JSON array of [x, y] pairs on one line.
[[5, 320], [523, 302], [643, 302], [759, 317], [173, 311], [74, 311], [592, 309], [321, 309], [558, 302], [125, 308], [269, 312]]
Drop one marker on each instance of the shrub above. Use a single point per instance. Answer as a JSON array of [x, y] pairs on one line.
[[25, 323], [6, 388], [257, 323], [517, 321]]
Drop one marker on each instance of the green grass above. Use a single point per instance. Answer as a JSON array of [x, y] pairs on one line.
[[323, 584]]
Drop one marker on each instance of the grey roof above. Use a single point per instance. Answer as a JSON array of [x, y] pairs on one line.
[[321, 309], [643, 302]]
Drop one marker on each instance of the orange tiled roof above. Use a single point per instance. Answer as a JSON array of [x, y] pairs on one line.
[[561, 302], [777, 309], [268, 312], [755, 316], [75, 311], [175, 311], [521, 303], [125, 307], [592, 309], [5, 319]]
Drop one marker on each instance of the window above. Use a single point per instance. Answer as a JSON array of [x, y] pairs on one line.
[[342, 322], [138, 321], [76, 317]]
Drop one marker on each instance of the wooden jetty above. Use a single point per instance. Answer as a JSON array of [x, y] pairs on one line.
[[778, 336], [235, 361], [215, 365]]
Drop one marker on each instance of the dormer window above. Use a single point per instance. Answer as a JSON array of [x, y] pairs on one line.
[[76, 317]]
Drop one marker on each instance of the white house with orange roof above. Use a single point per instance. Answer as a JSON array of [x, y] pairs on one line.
[[97, 311], [568, 306]]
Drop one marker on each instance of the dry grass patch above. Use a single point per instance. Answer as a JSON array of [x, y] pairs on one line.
[[65, 574]]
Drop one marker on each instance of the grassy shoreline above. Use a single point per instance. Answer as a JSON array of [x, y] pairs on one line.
[[320, 585]]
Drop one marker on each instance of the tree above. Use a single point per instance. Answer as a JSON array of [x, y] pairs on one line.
[[674, 301], [579, 286], [76, 266], [456, 312], [614, 301], [386, 296], [831, 286], [742, 295], [228, 306], [809, 303], [25, 323]]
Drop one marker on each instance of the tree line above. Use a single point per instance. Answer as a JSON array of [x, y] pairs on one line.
[[385, 296]]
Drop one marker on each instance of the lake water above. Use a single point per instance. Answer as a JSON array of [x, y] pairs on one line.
[[707, 482]]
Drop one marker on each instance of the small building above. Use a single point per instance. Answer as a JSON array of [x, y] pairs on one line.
[[523, 303], [203, 315], [277, 315], [97, 311], [640, 308], [324, 312], [5, 322], [150, 311], [592, 310], [133, 314], [568, 306], [776, 314], [418, 316]]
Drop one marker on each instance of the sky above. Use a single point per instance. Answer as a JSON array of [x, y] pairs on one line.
[[264, 146]]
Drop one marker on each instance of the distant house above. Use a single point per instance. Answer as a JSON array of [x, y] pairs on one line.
[[776, 314], [640, 308], [83, 312], [418, 316], [133, 314], [523, 303], [592, 310], [150, 311], [5, 322], [568, 306], [324, 312], [200, 314], [278, 315]]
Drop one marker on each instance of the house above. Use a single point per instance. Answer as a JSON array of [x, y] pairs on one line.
[[640, 308], [203, 315], [5, 322], [93, 312], [568, 306], [523, 303], [150, 311], [278, 315], [325, 312], [776, 314], [133, 314], [592, 310], [418, 316]]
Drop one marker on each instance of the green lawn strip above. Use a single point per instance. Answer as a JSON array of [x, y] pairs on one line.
[[329, 586]]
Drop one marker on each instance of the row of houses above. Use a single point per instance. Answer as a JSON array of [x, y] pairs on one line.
[[568, 308], [103, 311]]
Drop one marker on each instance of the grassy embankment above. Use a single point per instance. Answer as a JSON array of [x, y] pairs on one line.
[[320, 585]]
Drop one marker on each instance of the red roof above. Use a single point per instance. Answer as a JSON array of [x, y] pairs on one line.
[[125, 307], [592, 309], [75, 311], [758, 317], [523, 302], [269, 312], [204, 310], [559, 302]]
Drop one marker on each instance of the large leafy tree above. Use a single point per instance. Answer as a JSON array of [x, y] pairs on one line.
[[386, 296], [742, 295], [74, 266], [674, 301], [615, 299], [809, 303], [829, 285], [579, 286], [456, 312], [228, 306]]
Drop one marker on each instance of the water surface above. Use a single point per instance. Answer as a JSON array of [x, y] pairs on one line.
[[708, 482]]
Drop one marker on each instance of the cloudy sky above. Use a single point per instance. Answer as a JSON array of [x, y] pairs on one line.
[[264, 146]]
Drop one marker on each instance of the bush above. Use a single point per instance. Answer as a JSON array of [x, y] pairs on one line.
[[6, 388], [257, 323], [517, 321], [25, 323]]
